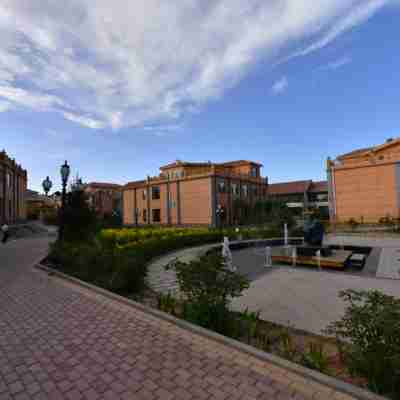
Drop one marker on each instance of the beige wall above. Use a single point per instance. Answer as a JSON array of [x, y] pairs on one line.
[[128, 207], [196, 201], [366, 192]]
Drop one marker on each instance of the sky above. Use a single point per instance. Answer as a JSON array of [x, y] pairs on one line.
[[120, 88]]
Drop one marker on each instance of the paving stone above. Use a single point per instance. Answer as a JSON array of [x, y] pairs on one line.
[[61, 341]]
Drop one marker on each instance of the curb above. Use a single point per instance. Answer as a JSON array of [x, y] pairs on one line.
[[335, 384]]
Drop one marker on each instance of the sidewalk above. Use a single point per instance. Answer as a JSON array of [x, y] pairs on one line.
[[60, 340]]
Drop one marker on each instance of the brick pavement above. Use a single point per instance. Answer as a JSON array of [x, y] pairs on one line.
[[61, 341]]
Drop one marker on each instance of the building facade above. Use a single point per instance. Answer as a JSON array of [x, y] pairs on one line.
[[187, 193], [301, 195], [364, 184], [105, 198], [38, 204], [13, 184]]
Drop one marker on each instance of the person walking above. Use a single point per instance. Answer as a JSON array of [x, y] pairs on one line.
[[4, 229]]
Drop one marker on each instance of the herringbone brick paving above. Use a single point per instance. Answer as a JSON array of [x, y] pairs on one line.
[[61, 341]]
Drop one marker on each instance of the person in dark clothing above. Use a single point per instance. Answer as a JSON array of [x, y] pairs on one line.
[[6, 234]]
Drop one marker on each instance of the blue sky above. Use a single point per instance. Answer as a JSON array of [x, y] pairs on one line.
[[120, 88]]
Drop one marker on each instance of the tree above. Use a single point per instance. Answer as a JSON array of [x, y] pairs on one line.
[[80, 221], [208, 286]]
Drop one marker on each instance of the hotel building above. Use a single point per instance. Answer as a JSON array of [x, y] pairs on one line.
[[301, 195], [189, 193], [13, 184], [364, 184]]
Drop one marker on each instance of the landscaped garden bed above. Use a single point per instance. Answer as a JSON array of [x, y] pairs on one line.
[[116, 259]]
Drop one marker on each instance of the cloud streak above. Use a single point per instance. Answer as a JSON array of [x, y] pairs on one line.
[[119, 64], [280, 86], [339, 63]]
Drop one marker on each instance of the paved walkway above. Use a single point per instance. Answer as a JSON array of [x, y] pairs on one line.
[[304, 298], [389, 263], [60, 341], [163, 281]]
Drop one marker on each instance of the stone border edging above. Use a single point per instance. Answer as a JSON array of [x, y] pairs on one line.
[[332, 383]]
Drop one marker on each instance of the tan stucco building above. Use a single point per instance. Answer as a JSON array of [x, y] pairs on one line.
[[187, 193], [13, 184], [365, 184]]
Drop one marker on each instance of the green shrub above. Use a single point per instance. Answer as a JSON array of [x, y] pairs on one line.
[[208, 287], [108, 267], [79, 220], [167, 303], [372, 325], [252, 320], [50, 217], [315, 358], [353, 223], [288, 347]]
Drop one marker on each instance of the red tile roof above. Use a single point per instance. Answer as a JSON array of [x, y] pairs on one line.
[[288, 187], [104, 185], [239, 162], [320, 186], [135, 184], [355, 153], [179, 163]]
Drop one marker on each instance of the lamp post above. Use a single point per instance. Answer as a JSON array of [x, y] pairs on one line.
[[64, 171], [220, 213], [137, 217], [47, 184]]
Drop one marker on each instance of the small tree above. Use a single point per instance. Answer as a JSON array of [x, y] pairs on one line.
[[80, 221], [372, 325], [208, 286]]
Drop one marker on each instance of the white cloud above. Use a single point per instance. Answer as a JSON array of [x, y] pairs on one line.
[[134, 63], [85, 121], [280, 85], [36, 101], [339, 63], [163, 130], [5, 106]]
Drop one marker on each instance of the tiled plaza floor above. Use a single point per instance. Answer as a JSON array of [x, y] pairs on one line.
[[61, 341]]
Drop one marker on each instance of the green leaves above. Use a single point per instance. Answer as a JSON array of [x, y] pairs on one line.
[[208, 286], [372, 325], [315, 358]]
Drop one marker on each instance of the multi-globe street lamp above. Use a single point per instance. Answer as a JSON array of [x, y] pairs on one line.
[[220, 211], [64, 171], [47, 184]]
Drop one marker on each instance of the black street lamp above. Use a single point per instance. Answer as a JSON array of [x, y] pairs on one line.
[[137, 213], [64, 171], [47, 185], [220, 211]]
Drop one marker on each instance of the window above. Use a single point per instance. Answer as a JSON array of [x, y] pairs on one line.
[[156, 215], [144, 194], [221, 186], [8, 179], [155, 192], [244, 190], [235, 189], [144, 215], [171, 201], [254, 172]]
